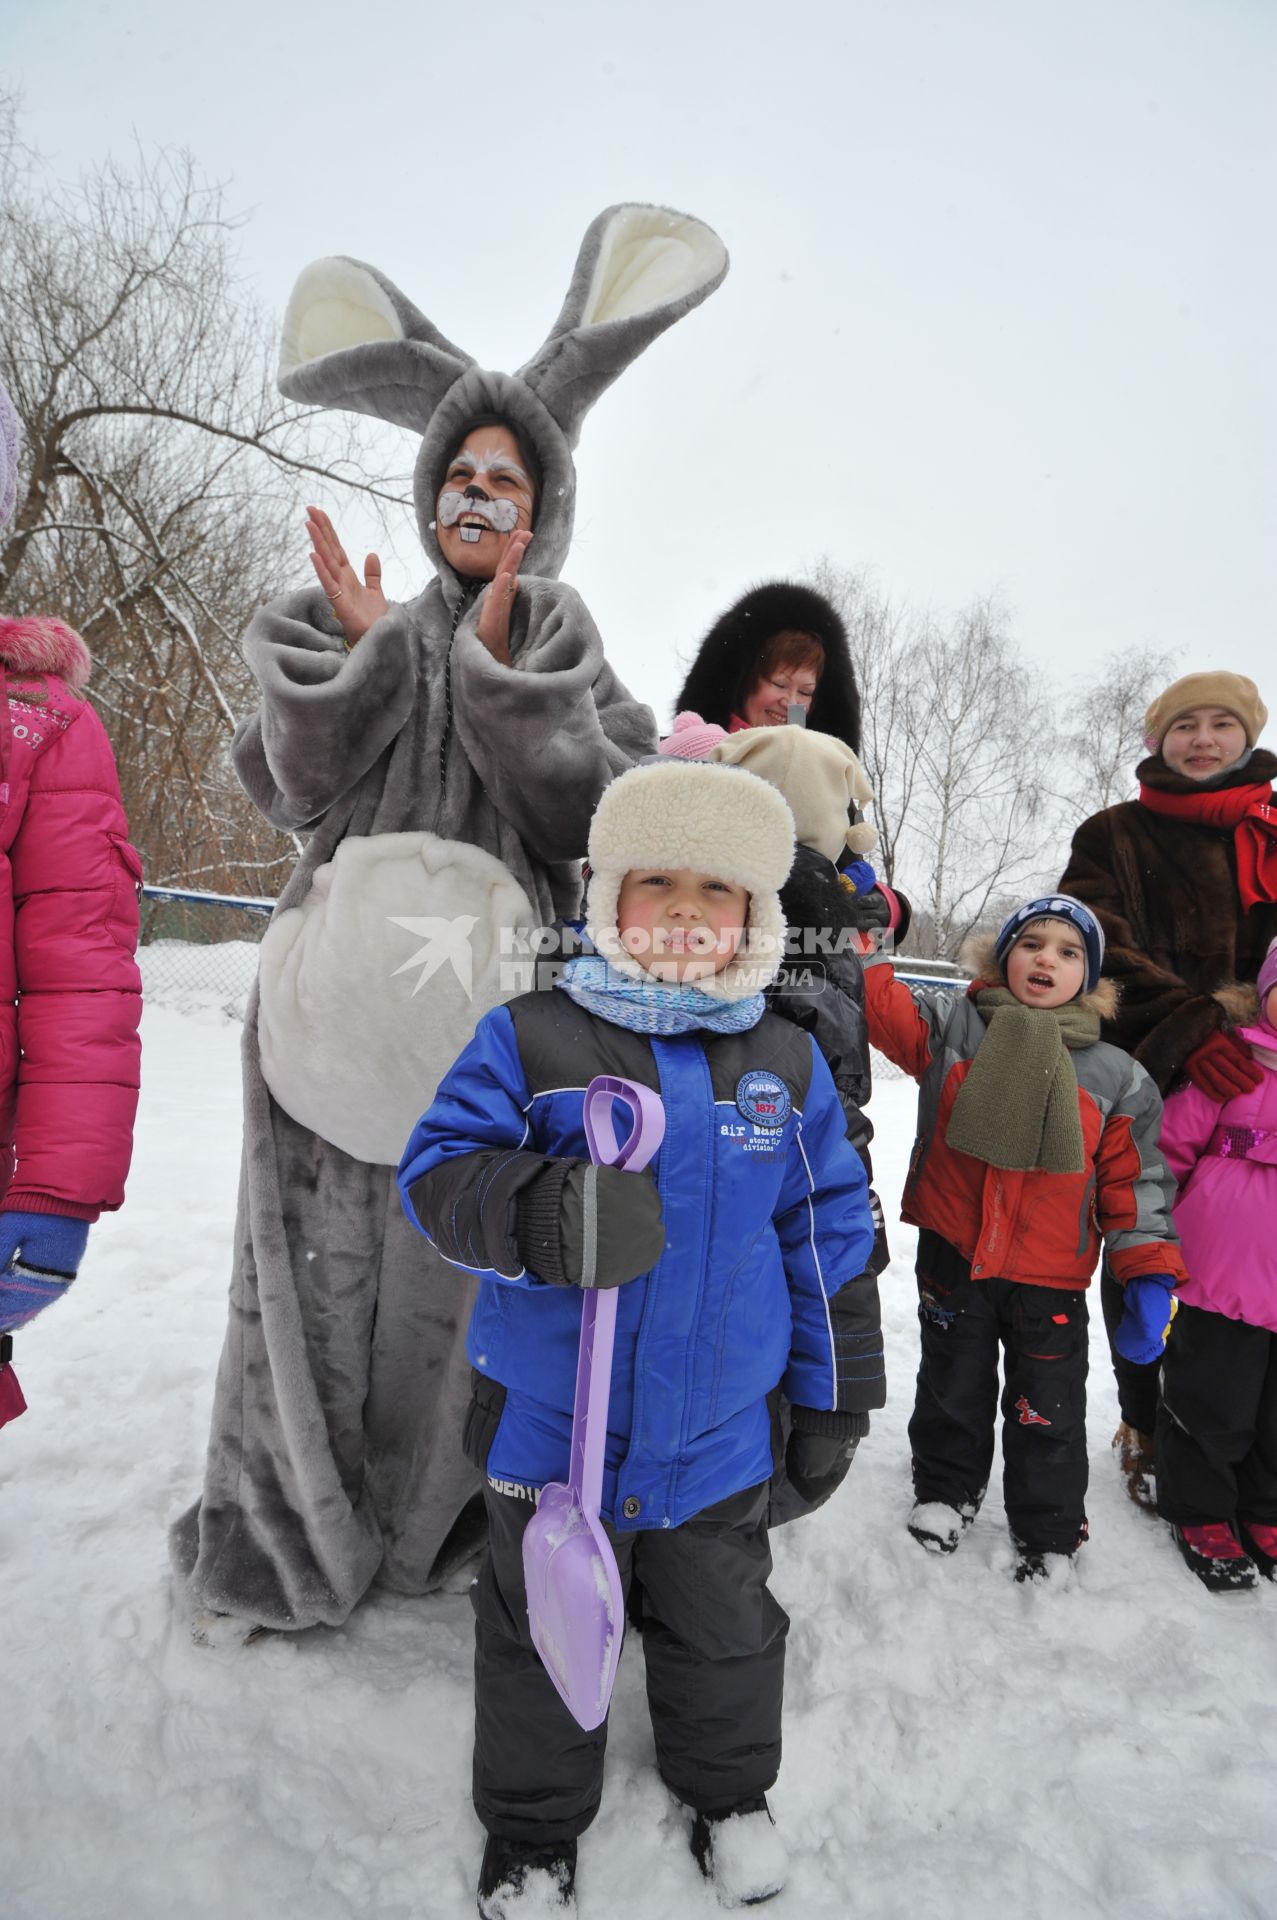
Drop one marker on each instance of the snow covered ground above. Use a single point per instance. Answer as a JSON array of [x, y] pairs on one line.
[[955, 1746]]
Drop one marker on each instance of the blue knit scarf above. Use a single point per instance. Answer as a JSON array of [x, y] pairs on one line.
[[653, 1006]]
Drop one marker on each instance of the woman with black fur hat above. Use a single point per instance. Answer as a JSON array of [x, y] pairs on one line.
[[779, 643]]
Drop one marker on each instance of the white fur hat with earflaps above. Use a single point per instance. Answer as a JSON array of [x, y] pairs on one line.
[[689, 814]]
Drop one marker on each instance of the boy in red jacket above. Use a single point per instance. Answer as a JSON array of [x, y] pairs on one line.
[[1034, 1139]]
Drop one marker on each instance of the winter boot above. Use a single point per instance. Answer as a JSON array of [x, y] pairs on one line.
[[1134, 1452], [740, 1853], [517, 1878], [938, 1527], [1216, 1556], [1035, 1563], [1260, 1541]]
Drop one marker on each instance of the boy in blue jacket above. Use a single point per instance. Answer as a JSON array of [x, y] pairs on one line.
[[741, 1255]]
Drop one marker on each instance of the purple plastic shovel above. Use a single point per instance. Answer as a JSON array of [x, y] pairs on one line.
[[575, 1605]]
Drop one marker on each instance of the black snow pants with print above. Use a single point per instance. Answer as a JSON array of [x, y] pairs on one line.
[[1216, 1437], [1043, 1333], [714, 1647]]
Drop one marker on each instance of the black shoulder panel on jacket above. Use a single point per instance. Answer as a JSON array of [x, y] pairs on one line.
[[561, 1045], [724, 663]]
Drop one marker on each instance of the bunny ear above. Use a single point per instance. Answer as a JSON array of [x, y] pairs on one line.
[[351, 339], [639, 270]]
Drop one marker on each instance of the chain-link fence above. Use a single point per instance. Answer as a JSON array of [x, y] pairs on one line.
[[198, 951]]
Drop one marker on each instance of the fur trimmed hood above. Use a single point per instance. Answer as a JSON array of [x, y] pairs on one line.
[[30, 646], [979, 957], [724, 663]]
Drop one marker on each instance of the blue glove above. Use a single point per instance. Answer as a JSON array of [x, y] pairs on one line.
[[861, 875], [1146, 1319], [40, 1254]]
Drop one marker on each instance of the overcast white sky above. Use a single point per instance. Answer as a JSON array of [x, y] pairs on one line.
[[1002, 291]]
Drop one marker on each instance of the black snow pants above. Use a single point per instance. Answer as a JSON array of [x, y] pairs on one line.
[[714, 1647], [1216, 1437], [1043, 1332], [1136, 1385]]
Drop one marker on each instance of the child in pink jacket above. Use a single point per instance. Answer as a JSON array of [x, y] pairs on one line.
[[70, 994], [1216, 1436]]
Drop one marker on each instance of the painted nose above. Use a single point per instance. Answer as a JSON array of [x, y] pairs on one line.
[[475, 492]]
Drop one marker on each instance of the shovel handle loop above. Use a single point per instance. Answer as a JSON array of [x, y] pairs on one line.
[[645, 1135]]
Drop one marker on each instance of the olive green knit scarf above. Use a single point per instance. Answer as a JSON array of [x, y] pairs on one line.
[[1017, 1107]]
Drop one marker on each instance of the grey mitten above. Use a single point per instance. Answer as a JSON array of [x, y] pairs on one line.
[[579, 1225]]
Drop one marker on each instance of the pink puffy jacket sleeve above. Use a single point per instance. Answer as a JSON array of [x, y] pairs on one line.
[[79, 995]]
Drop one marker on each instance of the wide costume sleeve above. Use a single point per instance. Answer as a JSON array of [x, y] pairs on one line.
[[468, 1158], [826, 1232], [1160, 1018], [546, 734], [1134, 1187], [75, 881], [326, 714]]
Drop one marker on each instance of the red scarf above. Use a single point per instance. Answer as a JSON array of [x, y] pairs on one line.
[[1250, 812]]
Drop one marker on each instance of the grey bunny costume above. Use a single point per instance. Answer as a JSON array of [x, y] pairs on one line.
[[445, 797]]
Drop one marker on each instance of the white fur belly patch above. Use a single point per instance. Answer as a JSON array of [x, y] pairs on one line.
[[372, 986]]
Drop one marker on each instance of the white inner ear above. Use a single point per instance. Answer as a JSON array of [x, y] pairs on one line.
[[648, 258], [335, 304]]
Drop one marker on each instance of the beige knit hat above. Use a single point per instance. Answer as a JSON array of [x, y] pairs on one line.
[[707, 819], [1232, 691], [820, 778]]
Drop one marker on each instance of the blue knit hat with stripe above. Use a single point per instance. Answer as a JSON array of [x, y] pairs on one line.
[[1056, 906]]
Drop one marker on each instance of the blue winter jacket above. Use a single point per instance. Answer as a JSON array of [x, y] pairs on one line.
[[764, 1224]]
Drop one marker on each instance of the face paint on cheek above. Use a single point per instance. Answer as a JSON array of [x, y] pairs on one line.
[[502, 516]]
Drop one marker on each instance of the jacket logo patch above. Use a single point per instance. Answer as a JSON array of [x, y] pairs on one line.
[[763, 1098]]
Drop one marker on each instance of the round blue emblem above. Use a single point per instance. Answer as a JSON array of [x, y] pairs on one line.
[[764, 1098]]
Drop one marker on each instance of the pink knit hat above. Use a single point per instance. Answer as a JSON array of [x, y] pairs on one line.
[[692, 738]]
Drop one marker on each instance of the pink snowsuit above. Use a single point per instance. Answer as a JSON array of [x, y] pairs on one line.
[[1227, 1207], [70, 993]]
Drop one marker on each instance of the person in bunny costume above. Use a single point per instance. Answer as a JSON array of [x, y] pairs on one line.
[[443, 758]]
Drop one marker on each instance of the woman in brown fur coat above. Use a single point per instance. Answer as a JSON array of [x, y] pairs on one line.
[[1184, 882]]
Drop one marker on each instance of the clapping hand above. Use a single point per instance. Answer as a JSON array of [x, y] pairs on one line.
[[356, 603], [498, 600]]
